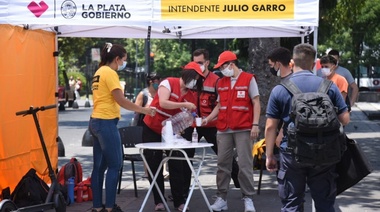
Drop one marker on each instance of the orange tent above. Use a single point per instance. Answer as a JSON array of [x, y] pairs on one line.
[[28, 78]]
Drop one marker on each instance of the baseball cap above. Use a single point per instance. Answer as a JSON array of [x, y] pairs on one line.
[[193, 66], [225, 57]]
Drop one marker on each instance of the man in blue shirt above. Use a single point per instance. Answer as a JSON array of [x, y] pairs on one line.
[[292, 177]]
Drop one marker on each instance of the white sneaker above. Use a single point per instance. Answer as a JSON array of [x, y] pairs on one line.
[[219, 205], [248, 205]]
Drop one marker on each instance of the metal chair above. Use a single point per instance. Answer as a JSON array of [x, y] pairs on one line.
[[130, 136]]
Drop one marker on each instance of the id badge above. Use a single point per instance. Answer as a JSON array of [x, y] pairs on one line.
[[241, 94]]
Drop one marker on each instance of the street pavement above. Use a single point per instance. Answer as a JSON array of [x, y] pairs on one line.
[[364, 197]]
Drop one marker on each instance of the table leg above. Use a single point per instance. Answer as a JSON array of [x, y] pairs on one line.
[[196, 180], [154, 183]]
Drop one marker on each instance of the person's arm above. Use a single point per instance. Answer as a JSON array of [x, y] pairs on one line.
[[344, 94], [214, 113], [344, 118], [128, 105], [256, 117], [139, 99], [164, 101], [354, 93], [270, 139]]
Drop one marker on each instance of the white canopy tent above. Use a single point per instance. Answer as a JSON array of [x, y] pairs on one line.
[[168, 18], [27, 62]]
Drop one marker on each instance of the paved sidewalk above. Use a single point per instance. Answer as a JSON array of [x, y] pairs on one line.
[[365, 196]]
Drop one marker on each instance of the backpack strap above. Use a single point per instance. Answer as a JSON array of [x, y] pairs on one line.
[[145, 96], [325, 86], [291, 87]]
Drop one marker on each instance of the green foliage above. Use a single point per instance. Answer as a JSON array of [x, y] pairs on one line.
[[353, 28]]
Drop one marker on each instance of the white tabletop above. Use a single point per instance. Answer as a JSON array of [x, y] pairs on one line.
[[166, 146]]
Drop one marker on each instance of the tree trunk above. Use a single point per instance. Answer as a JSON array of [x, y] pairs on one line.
[[259, 49]]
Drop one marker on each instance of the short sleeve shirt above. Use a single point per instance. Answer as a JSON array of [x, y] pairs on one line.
[[279, 103], [105, 80]]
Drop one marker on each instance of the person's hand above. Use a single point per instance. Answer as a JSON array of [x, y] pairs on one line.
[[204, 121], [149, 111], [271, 163], [190, 106], [255, 132]]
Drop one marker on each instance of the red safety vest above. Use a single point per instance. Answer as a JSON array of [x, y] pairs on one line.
[[207, 99], [155, 123], [236, 109]]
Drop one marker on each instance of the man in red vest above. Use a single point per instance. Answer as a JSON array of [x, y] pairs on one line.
[[206, 103], [237, 112]]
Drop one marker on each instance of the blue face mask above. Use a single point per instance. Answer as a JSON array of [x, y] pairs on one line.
[[155, 86], [122, 66]]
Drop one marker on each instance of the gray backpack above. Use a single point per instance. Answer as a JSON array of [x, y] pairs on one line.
[[316, 136]]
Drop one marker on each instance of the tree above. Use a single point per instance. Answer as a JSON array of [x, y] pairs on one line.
[[259, 49]]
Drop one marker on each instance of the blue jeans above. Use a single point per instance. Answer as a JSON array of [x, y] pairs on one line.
[[107, 156]]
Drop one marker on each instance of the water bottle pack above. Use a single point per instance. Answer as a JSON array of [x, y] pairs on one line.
[[181, 121]]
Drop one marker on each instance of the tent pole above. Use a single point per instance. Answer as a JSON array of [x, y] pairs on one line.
[[147, 51], [315, 44]]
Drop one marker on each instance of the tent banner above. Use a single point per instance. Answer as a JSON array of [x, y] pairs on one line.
[[161, 12]]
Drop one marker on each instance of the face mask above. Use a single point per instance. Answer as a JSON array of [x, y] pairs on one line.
[[326, 72], [122, 66], [155, 86], [191, 84], [228, 72], [203, 68], [274, 72]]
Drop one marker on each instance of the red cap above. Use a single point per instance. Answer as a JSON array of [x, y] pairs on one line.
[[225, 57], [194, 66]]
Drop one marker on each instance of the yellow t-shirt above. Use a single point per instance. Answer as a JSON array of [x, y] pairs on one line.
[[104, 82]]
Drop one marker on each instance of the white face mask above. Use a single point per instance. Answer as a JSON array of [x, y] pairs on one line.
[[122, 66], [191, 84], [203, 68], [228, 72], [326, 72]]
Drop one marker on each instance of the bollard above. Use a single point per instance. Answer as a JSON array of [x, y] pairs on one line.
[[87, 103], [75, 104], [87, 139], [61, 147]]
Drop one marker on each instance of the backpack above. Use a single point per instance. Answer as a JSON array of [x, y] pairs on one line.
[[71, 169], [31, 190], [315, 137]]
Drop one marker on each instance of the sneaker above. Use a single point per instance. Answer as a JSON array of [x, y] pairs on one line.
[[219, 205], [248, 205], [181, 208], [159, 207]]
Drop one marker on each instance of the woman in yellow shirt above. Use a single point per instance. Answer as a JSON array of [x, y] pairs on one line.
[[108, 97]]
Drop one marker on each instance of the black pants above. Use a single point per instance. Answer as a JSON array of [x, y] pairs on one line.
[[209, 133], [180, 173]]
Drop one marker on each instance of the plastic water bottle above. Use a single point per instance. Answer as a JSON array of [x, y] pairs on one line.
[[70, 189], [181, 121], [194, 137], [167, 133]]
